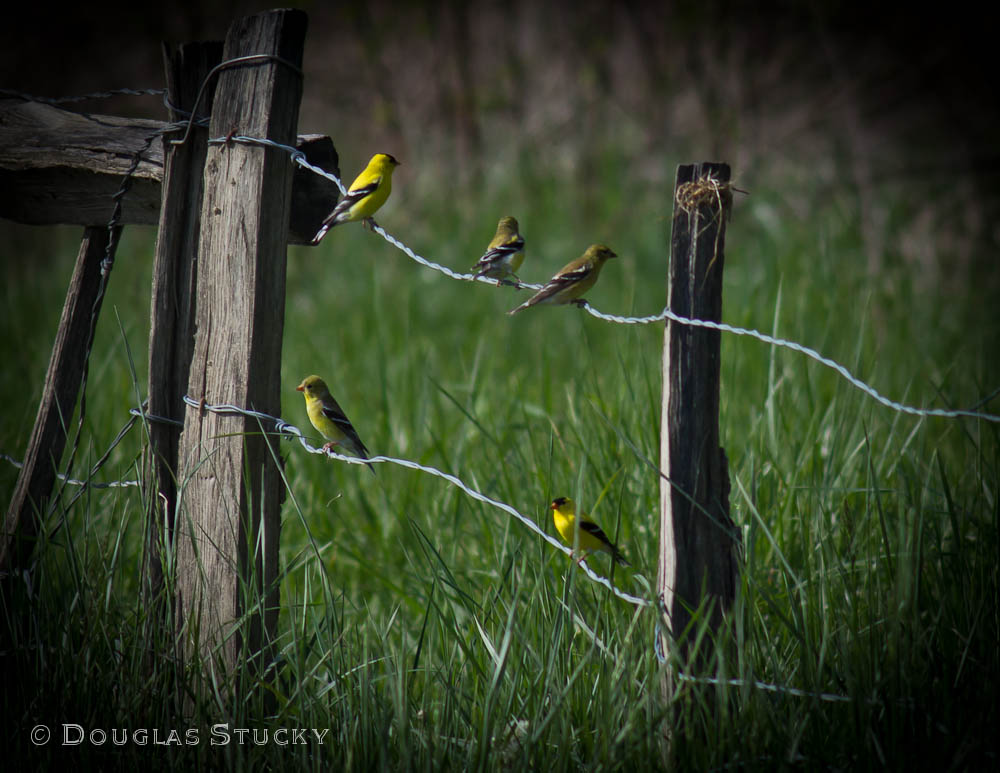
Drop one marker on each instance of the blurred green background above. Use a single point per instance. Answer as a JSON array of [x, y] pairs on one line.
[[866, 144]]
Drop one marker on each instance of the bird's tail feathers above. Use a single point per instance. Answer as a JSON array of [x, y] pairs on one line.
[[333, 219], [321, 233]]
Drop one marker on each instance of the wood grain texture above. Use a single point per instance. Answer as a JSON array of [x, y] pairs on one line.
[[227, 527], [59, 396], [172, 307], [57, 166], [697, 536], [60, 167]]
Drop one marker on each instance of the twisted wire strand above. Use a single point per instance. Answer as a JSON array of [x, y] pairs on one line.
[[768, 687], [76, 481], [107, 263], [250, 59], [290, 431], [299, 157], [666, 314]]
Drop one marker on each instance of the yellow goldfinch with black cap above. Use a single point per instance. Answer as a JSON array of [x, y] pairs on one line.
[[578, 531], [367, 193], [328, 417], [504, 255], [572, 280]]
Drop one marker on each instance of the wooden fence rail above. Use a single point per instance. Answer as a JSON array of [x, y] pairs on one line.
[[61, 167], [58, 167], [217, 311], [218, 293]]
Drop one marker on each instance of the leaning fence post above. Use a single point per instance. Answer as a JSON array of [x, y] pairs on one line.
[[59, 396], [229, 489], [698, 541]]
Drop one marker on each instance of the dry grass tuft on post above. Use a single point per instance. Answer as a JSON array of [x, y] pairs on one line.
[[705, 191], [698, 541]]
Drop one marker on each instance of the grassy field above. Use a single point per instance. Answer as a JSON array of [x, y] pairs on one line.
[[424, 630]]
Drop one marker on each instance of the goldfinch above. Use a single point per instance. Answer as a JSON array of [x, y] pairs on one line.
[[328, 417], [504, 255], [367, 193], [572, 280], [589, 536]]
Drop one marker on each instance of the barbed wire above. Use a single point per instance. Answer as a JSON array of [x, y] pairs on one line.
[[107, 264], [666, 314], [290, 431], [235, 61], [299, 158], [661, 656], [77, 481], [775, 688]]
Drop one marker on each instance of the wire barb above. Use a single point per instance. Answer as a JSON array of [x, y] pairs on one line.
[[298, 157], [107, 263], [666, 314], [236, 61], [290, 431]]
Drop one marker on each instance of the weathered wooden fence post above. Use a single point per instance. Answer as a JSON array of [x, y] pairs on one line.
[[175, 272], [61, 167], [229, 488], [698, 541]]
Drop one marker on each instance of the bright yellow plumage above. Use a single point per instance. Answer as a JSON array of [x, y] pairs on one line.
[[572, 280], [367, 193], [578, 531], [327, 416]]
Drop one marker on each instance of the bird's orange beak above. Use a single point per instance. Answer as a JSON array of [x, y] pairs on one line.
[[300, 388]]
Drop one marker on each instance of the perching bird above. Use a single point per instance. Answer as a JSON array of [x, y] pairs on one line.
[[504, 255], [590, 536], [328, 417], [573, 279], [367, 193]]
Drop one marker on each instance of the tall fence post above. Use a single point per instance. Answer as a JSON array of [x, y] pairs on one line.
[[698, 541], [175, 272], [229, 489]]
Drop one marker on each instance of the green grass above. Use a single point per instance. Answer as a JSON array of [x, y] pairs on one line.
[[428, 631]]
